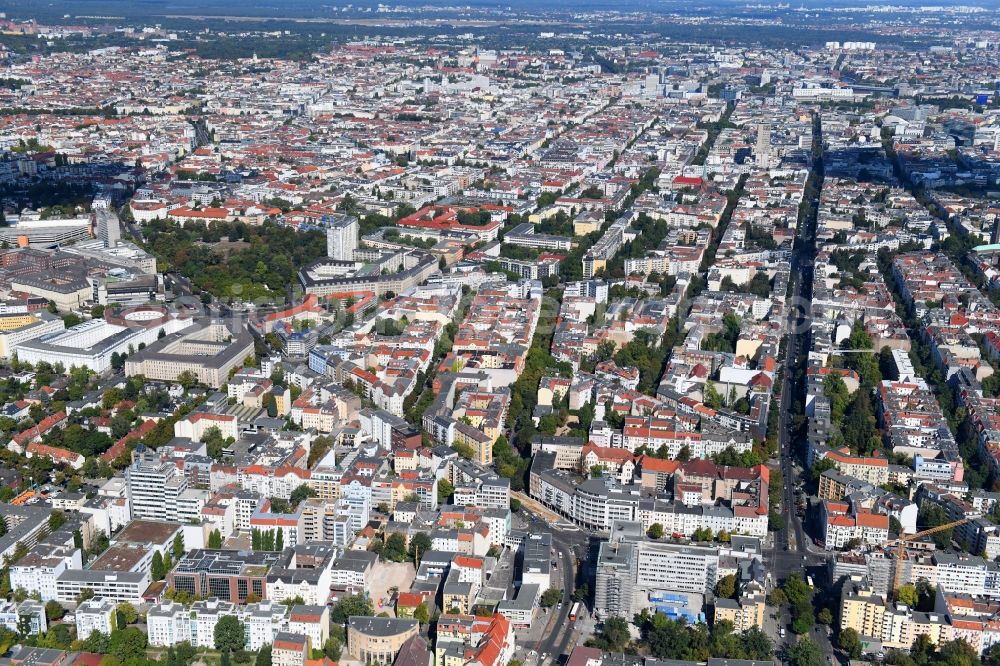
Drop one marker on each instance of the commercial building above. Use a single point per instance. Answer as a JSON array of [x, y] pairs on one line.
[[377, 640], [107, 227], [524, 235], [124, 254], [536, 560], [25, 617], [843, 522], [467, 639], [23, 523], [67, 290]]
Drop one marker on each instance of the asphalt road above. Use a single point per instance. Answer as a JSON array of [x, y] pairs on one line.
[[558, 635], [792, 550]]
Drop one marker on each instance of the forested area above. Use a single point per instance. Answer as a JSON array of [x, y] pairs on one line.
[[232, 259]]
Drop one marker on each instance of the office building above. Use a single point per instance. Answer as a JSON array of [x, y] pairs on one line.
[[92, 343], [634, 572], [228, 575], [113, 585], [107, 227], [209, 352]]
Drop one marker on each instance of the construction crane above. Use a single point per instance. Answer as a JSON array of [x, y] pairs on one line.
[[901, 542]]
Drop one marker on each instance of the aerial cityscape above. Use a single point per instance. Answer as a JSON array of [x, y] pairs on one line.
[[499, 334]]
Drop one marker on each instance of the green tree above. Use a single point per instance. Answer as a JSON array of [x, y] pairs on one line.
[[394, 548], [263, 656], [56, 520], [926, 594], [187, 380], [756, 645], [127, 614], [992, 656], [177, 548], [97, 642], [127, 644], [850, 642], [420, 543], [724, 643], [348, 606], [54, 610], [156, 569], [726, 587], [907, 594], [215, 539], [803, 652], [23, 625], [836, 390], [803, 618], [229, 633], [445, 491], [712, 397], [796, 590], [860, 427], [332, 648], [655, 531], [421, 614], [957, 653], [673, 639], [821, 466], [301, 493], [615, 634], [551, 597]]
